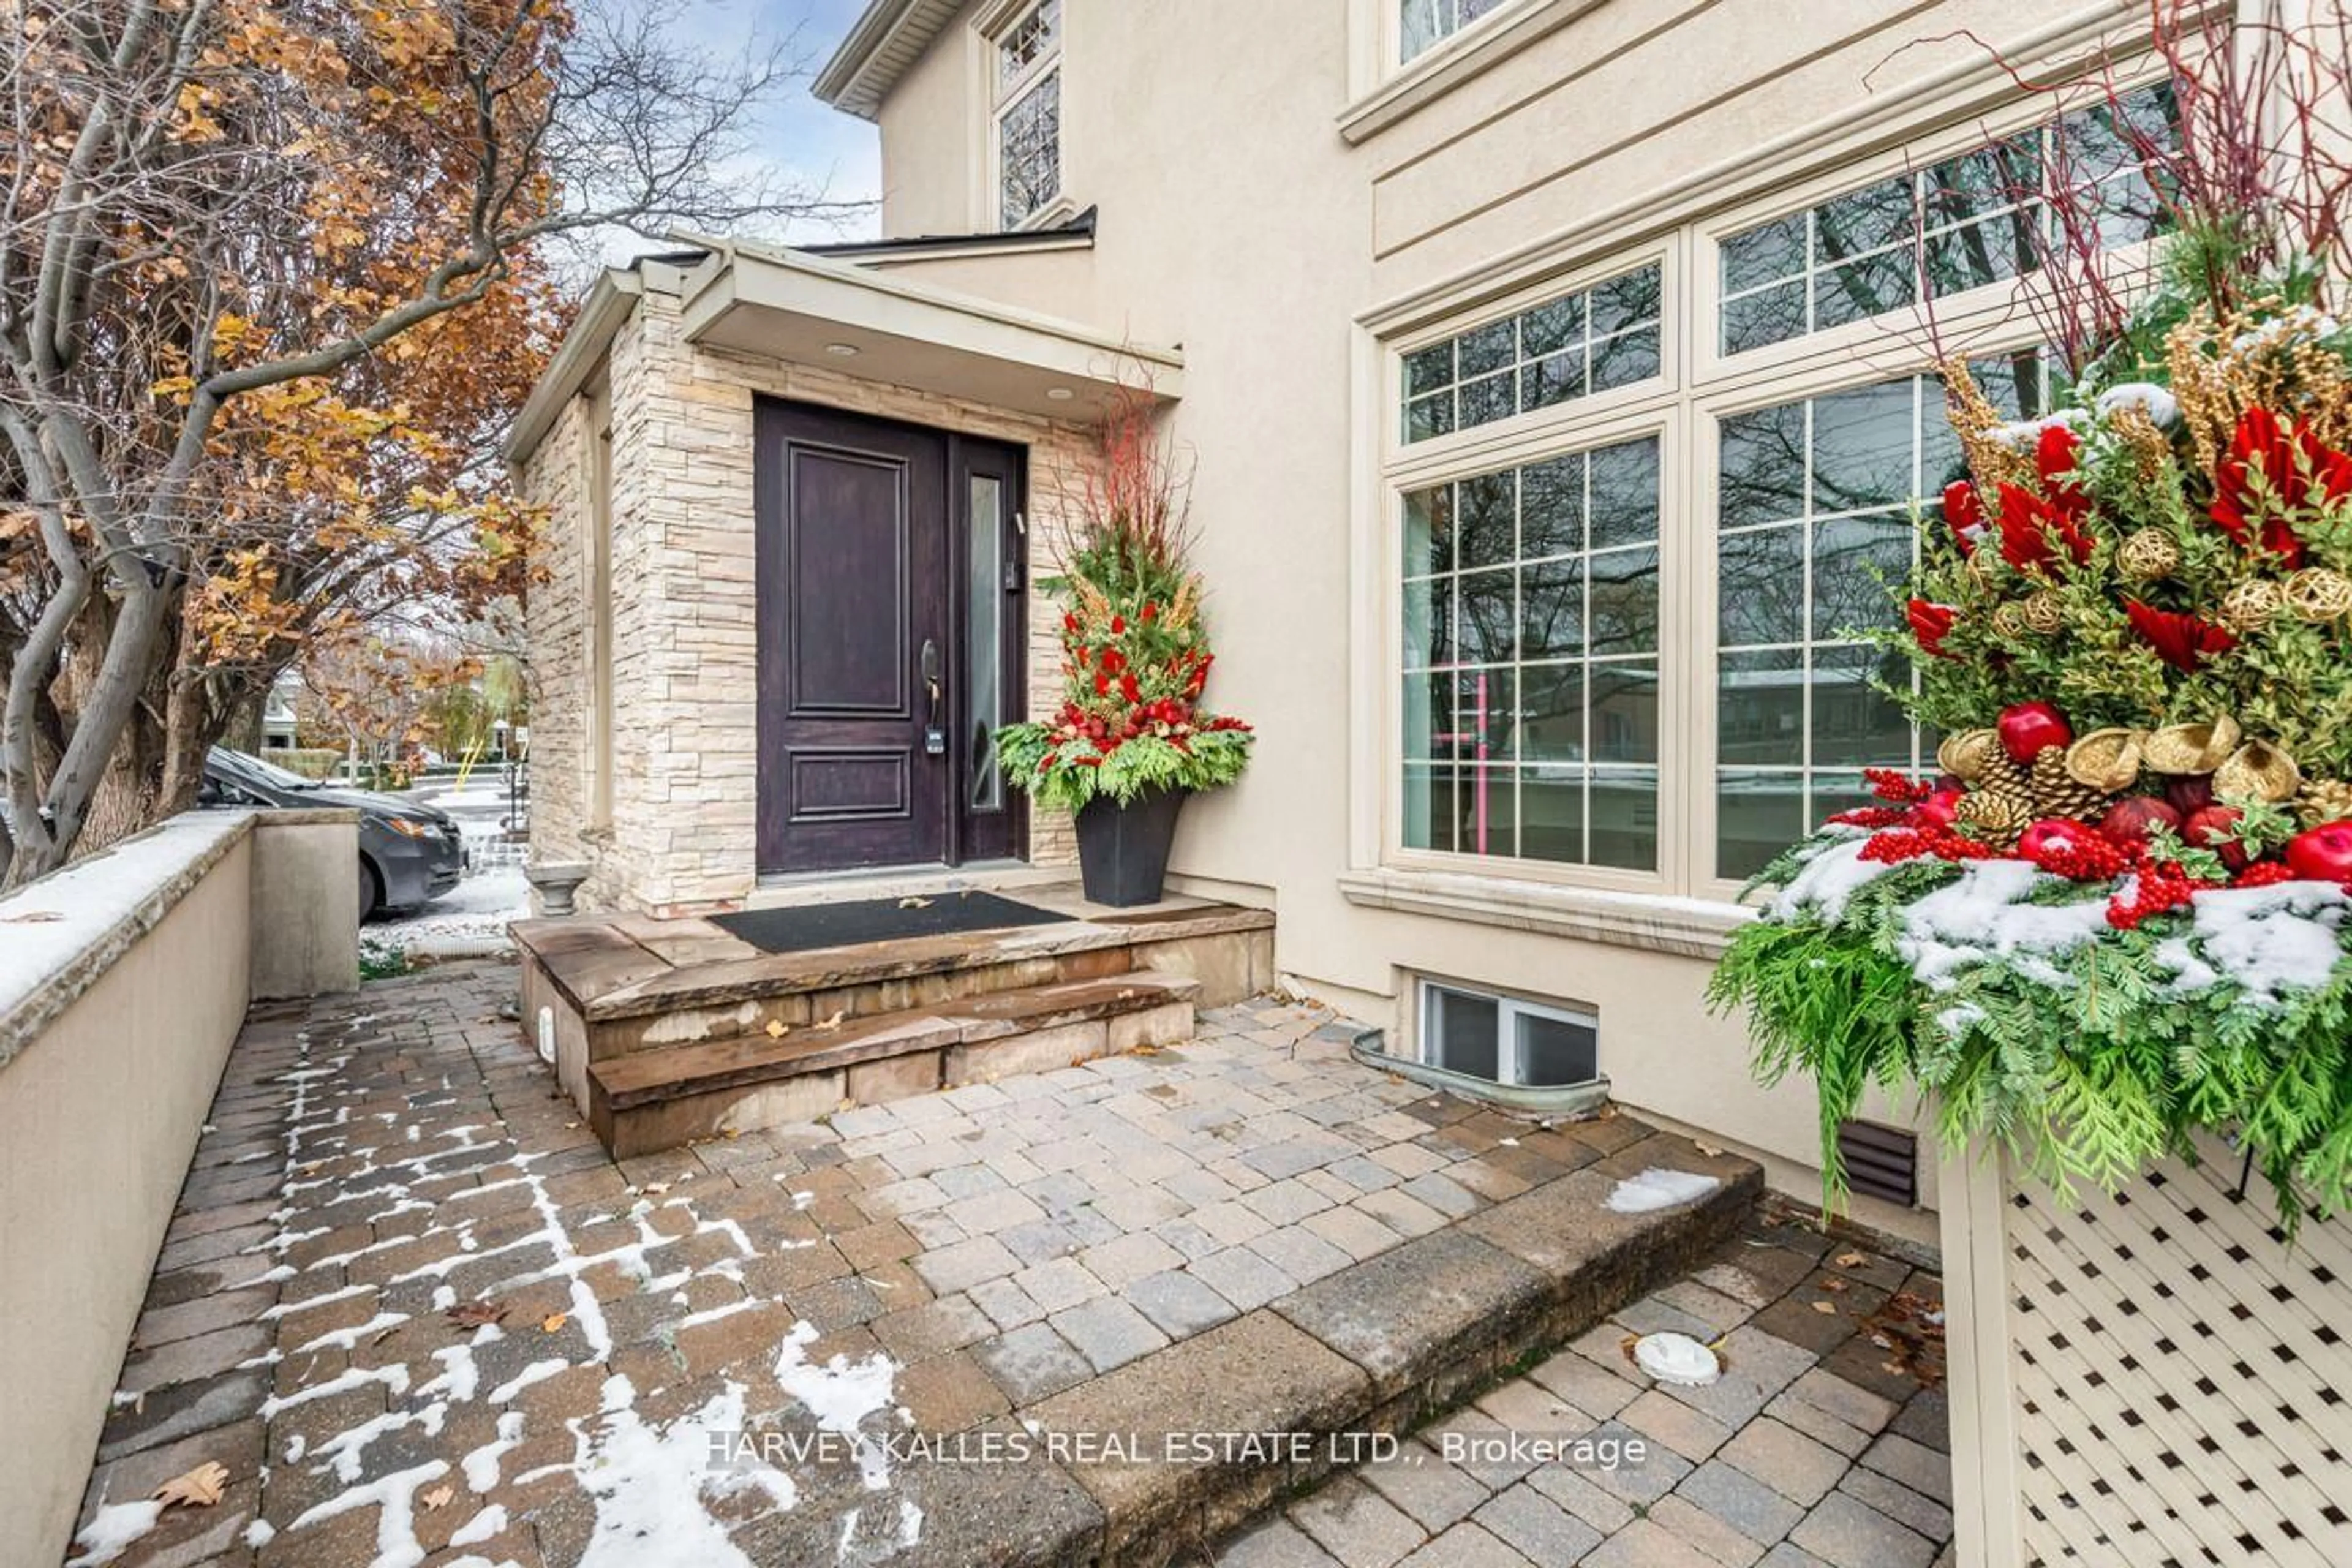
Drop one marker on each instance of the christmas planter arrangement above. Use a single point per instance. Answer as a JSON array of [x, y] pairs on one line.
[[1130, 742], [2118, 917]]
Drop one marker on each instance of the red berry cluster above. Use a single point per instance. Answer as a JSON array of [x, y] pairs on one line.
[[1895, 787], [2162, 887], [2086, 857], [1899, 845], [1873, 816], [2265, 874]]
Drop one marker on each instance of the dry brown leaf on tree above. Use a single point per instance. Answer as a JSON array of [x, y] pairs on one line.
[[199, 1488]]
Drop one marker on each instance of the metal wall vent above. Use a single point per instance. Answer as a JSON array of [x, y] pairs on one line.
[[1881, 1161]]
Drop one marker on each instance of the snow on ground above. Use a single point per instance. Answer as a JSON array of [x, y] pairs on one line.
[[469, 921]]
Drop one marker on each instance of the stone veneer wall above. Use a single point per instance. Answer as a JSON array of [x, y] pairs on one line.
[[684, 795]]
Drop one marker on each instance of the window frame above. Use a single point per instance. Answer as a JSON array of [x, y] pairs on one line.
[[1394, 60], [1699, 386], [1509, 1008], [999, 97]]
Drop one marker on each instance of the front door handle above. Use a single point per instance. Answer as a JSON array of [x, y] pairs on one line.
[[935, 734]]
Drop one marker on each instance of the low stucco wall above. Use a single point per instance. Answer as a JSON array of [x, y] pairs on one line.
[[120, 998]]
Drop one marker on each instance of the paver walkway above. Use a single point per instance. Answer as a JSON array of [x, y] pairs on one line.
[[420, 1318], [1825, 1442]]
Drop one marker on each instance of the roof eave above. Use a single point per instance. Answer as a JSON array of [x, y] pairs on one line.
[[584, 346], [838, 83]]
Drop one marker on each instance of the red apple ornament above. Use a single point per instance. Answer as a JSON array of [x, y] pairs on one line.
[[1941, 808], [2129, 821], [2029, 729], [2053, 833], [2190, 793], [2215, 828], [2322, 853]]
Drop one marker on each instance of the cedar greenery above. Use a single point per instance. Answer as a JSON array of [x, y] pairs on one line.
[[2086, 1081]]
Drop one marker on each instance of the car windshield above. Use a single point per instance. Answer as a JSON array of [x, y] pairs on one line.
[[252, 767]]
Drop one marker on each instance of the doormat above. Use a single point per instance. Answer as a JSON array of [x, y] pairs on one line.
[[813, 926]]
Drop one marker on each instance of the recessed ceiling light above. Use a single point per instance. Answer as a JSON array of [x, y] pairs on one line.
[[842, 351], [1060, 393]]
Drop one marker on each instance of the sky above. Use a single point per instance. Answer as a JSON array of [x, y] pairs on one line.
[[801, 137]]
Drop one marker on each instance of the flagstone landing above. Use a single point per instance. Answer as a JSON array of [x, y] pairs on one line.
[[1248, 1233]]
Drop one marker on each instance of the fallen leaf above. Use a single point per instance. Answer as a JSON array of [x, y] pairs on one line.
[[199, 1488], [914, 903], [1827, 1307], [1853, 1260], [777, 1029], [654, 1189], [475, 1314], [1892, 1366], [846, 1104], [835, 1022], [553, 1322], [1709, 1149], [32, 918], [1835, 1285], [437, 1498]]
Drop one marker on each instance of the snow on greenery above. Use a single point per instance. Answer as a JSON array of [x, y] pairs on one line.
[[2004, 994]]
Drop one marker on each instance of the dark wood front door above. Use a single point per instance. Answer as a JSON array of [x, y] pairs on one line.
[[889, 577]]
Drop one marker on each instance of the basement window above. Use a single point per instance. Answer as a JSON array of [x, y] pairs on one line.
[[1505, 1040]]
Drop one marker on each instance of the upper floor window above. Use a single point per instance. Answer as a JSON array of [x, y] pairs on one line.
[[1028, 113], [1424, 22], [1954, 226], [1602, 337]]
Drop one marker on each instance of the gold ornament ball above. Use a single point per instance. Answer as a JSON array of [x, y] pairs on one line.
[[2319, 595], [2042, 614], [2009, 620], [2149, 554], [2251, 605]]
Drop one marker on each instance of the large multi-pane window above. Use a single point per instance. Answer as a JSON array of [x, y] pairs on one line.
[[1424, 22], [1954, 224], [1564, 710], [1814, 538], [1531, 661], [1595, 340], [1029, 113]]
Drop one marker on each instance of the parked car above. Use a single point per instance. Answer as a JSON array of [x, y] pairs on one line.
[[409, 854]]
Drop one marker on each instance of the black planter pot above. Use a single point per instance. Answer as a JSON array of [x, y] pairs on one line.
[[1123, 849]]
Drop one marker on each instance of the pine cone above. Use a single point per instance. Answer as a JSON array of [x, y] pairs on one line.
[[1995, 816], [2323, 800], [2001, 803], [2057, 793]]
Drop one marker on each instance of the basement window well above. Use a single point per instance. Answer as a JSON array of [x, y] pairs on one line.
[[1509, 1042]]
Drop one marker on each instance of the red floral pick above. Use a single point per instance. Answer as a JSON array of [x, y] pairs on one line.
[[2272, 470], [2180, 640], [1931, 623], [2034, 531], [2054, 453], [1964, 510]]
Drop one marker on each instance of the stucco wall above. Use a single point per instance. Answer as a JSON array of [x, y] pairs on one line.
[[1238, 221], [684, 834], [117, 1013]]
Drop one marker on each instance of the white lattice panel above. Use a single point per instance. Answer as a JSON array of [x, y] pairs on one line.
[[2183, 1390]]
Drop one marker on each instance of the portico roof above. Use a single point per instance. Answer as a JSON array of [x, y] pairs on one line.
[[798, 309]]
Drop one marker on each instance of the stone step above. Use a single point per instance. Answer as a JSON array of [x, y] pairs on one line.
[[1388, 1345], [662, 1098]]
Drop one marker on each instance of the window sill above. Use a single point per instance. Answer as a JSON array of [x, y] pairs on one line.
[[1054, 214], [1686, 927], [1463, 58]]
